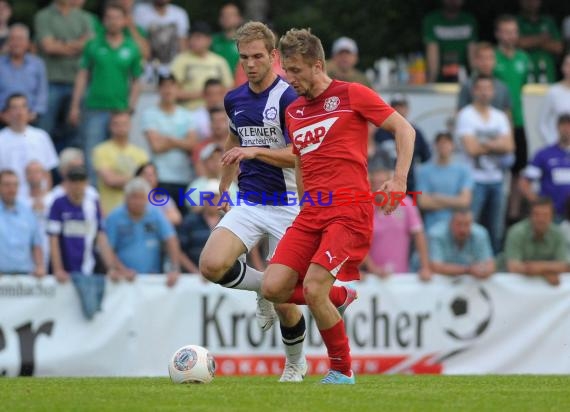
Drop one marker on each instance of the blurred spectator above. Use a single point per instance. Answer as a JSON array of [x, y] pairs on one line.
[[344, 58], [192, 68], [484, 64], [536, 246], [551, 168], [116, 162], [214, 92], [21, 143], [137, 233], [488, 144], [167, 27], [196, 228], [110, 67], [386, 144], [445, 184], [566, 32], [170, 132], [449, 35], [20, 236], [556, 102], [223, 43], [460, 247], [61, 33], [5, 14], [565, 225], [37, 200], [392, 236], [219, 133], [540, 38], [148, 172], [24, 73]]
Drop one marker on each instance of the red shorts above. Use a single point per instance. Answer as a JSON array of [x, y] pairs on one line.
[[337, 238]]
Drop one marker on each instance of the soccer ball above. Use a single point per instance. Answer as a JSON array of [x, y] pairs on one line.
[[192, 364]]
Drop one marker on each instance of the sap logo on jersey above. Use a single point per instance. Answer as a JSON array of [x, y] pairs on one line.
[[310, 137]]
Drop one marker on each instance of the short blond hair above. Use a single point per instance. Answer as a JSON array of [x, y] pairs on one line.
[[303, 43], [255, 30]]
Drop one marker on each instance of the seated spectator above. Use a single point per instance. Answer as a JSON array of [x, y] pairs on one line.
[[392, 235], [386, 144], [137, 233], [565, 225], [342, 65], [192, 68], [23, 73], [214, 92], [445, 184], [536, 246], [488, 146], [171, 135], [196, 229], [170, 210], [20, 234], [21, 143], [556, 103], [484, 64], [5, 14], [461, 247], [116, 162], [223, 43], [551, 168]]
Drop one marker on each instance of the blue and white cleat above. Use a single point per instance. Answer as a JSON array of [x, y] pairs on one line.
[[351, 296], [337, 378]]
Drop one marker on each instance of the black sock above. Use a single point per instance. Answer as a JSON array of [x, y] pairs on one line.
[[294, 334], [233, 276]]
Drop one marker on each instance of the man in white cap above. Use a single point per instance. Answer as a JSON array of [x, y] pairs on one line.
[[342, 65]]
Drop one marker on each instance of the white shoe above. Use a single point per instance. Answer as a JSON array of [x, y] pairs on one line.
[[265, 313], [294, 372]]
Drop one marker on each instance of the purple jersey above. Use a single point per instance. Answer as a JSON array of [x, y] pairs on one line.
[[551, 166], [77, 228], [259, 120]]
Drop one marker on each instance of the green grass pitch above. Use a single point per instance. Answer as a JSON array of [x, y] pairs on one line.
[[371, 393]]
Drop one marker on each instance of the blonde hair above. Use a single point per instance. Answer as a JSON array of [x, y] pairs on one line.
[[255, 30], [304, 43]]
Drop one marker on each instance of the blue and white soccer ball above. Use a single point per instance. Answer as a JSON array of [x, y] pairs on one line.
[[192, 364]]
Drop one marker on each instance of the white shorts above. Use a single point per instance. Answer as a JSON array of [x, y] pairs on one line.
[[251, 223]]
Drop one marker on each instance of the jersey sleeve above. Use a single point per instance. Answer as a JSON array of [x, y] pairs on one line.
[[228, 106], [288, 97], [369, 104], [54, 224]]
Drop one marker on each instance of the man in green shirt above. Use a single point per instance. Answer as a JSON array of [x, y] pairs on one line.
[[110, 68], [223, 43], [540, 38], [536, 246], [449, 35]]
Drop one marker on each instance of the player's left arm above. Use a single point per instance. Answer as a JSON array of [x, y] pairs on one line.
[[405, 136], [283, 158]]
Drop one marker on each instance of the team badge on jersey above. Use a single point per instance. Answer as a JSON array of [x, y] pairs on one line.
[[331, 103], [271, 113]]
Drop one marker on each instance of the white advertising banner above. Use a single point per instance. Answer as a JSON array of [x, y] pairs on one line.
[[505, 325]]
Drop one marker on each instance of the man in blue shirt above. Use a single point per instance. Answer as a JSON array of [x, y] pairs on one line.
[[20, 237], [137, 233]]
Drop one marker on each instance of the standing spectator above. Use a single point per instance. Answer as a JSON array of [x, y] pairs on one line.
[[484, 64], [5, 14], [342, 65], [61, 32], [556, 102], [194, 67], [171, 135], [461, 247], [20, 237], [214, 92], [540, 38], [116, 162], [386, 144], [445, 184], [167, 27], [137, 233], [110, 68], [24, 73], [21, 143], [536, 246], [392, 235], [148, 172], [449, 35], [219, 133], [37, 200], [551, 167], [487, 140], [565, 225], [223, 43]]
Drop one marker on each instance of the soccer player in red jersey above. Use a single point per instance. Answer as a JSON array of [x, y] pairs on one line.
[[328, 125]]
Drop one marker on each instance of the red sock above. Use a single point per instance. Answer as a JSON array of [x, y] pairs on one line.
[[336, 342], [337, 295]]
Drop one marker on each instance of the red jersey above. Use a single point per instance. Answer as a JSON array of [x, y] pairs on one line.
[[330, 134]]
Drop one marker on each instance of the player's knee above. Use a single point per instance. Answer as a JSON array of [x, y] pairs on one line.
[[212, 267], [313, 292], [272, 291]]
